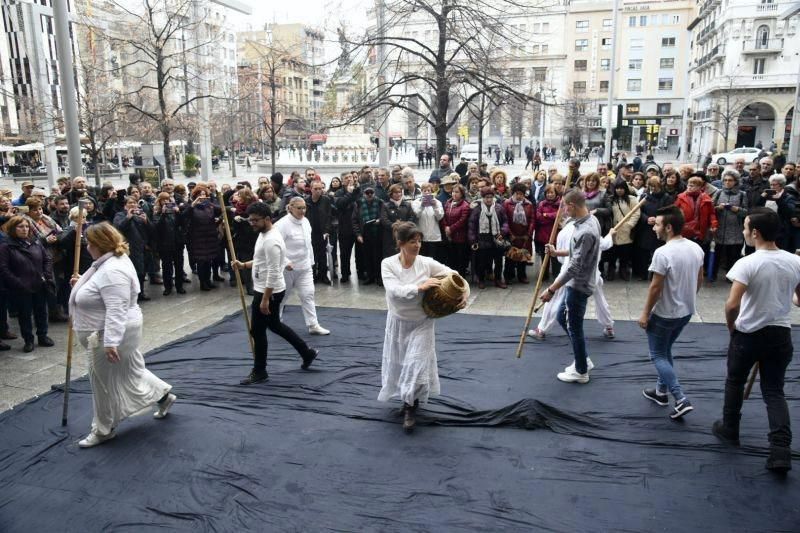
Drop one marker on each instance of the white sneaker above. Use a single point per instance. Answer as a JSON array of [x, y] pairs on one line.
[[608, 333], [316, 329], [93, 439], [573, 377], [536, 333], [163, 408], [571, 368]]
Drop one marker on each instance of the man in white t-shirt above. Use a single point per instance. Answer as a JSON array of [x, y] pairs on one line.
[[765, 283], [677, 269], [269, 288]]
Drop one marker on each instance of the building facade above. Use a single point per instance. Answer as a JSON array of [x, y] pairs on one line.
[[744, 74]]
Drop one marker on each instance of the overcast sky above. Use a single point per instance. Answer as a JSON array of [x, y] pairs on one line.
[[323, 14]]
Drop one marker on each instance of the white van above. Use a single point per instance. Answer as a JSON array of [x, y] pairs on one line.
[[469, 152]]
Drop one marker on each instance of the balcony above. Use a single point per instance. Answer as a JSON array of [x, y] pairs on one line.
[[714, 55], [767, 8], [762, 46], [746, 81], [707, 7], [706, 33]]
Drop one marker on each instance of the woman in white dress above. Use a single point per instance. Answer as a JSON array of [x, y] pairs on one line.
[[108, 322], [409, 370]]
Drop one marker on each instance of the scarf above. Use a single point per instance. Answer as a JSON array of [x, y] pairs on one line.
[[85, 278], [488, 221], [369, 211], [519, 212], [396, 202], [591, 194]]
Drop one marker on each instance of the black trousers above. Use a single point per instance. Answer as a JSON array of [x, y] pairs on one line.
[[554, 265], [515, 269], [346, 243], [772, 348], [727, 254], [457, 256], [484, 259], [433, 249], [259, 323], [361, 267], [320, 268], [3, 312], [31, 305], [172, 269], [372, 252]]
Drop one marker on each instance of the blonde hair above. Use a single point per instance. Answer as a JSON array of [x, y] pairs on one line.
[[106, 238]]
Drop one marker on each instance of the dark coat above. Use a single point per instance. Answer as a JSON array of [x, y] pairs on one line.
[[169, 232], [391, 213], [474, 221], [345, 205], [456, 217], [25, 266], [320, 215], [243, 235], [201, 224], [137, 233], [644, 237], [66, 241]]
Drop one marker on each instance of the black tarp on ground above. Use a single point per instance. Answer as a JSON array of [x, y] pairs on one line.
[[311, 451]]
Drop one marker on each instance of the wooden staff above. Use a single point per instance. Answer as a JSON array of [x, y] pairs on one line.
[[232, 252], [542, 271], [627, 216], [76, 266], [751, 380]]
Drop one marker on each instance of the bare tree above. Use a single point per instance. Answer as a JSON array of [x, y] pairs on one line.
[[481, 110], [158, 36], [574, 112], [727, 107], [459, 43]]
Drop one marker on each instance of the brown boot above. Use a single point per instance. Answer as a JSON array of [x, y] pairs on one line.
[[408, 418]]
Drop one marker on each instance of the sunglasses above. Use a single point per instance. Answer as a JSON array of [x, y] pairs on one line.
[[369, 192]]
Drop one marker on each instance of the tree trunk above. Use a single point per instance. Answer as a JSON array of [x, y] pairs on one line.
[[165, 140]]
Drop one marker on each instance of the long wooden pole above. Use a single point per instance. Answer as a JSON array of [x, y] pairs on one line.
[[627, 216], [76, 266], [751, 380], [542, 270], [232, 252]]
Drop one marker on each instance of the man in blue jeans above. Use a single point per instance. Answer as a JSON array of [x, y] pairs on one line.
[[579, 278], [677, 269]]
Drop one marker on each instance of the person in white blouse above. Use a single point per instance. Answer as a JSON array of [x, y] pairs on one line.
[[429, 212], [267, 265], [409, 369], [108, 322], [296, 232]]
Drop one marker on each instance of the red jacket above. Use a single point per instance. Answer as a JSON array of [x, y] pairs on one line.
[[521, 234], [698, 218], [545, 218], [456, 217]]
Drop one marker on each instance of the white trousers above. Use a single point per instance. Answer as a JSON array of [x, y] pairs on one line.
[[602, 312], [303, 281]]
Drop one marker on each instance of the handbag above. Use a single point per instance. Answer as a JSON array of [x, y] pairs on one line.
[[520, 255], [502, 243]]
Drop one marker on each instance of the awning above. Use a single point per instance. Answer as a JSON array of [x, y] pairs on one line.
[[317, 138]]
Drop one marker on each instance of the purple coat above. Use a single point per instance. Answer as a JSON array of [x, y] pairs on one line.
[[202, 230], [474, 221]]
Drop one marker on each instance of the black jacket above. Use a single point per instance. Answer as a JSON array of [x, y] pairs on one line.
[[25, 266], [320, 215]]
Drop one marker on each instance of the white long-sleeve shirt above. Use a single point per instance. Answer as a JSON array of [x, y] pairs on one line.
[[269, 260], [428, 218], [401, 284], [107, 301], [297, 237]]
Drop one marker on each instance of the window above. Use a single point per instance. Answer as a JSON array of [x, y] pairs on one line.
[[634, 85], [643, 20], [632, 21], [608, 24], [579, 87], [668, 42], [606, 43], [581, 26], [667, 62], [537, 28], [663, 109], [762, 38], [603, 85], [631, 109], [676, 19], [540, 74], [634, 64], [581, 45], [637, 44], [580, 65], [535, 49], [545, 27], [545, 48], [664, 84], [758, 65], [605, 64]]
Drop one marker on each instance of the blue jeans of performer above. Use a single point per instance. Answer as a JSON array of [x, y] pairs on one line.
[[259, 322], [570, 316], [772, 348], [661, 335]]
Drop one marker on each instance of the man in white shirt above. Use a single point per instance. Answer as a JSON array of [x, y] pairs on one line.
[[765, 284], [677, 269], [269, 289]]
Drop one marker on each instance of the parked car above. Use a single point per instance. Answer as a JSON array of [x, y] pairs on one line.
[[469, 152], [750, 154]]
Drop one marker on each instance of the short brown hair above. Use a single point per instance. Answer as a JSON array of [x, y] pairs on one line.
[[696, 181], [395, 187], [575, 196], [405, 231], [33, 203], [200, 187], [106, 238], [11, 225]]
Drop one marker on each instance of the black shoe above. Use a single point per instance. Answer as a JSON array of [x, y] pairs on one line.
[[186, 279], [46, 341], [254, 377], [180, 290], [325, 280], [653, 395], [28, 347], [307, 360], [4, 347], [680, 409], [8, 336], [779, 460], [368, 281], [724, 433], [167, 291], [345, 279], [143, 297], [217, 277]]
